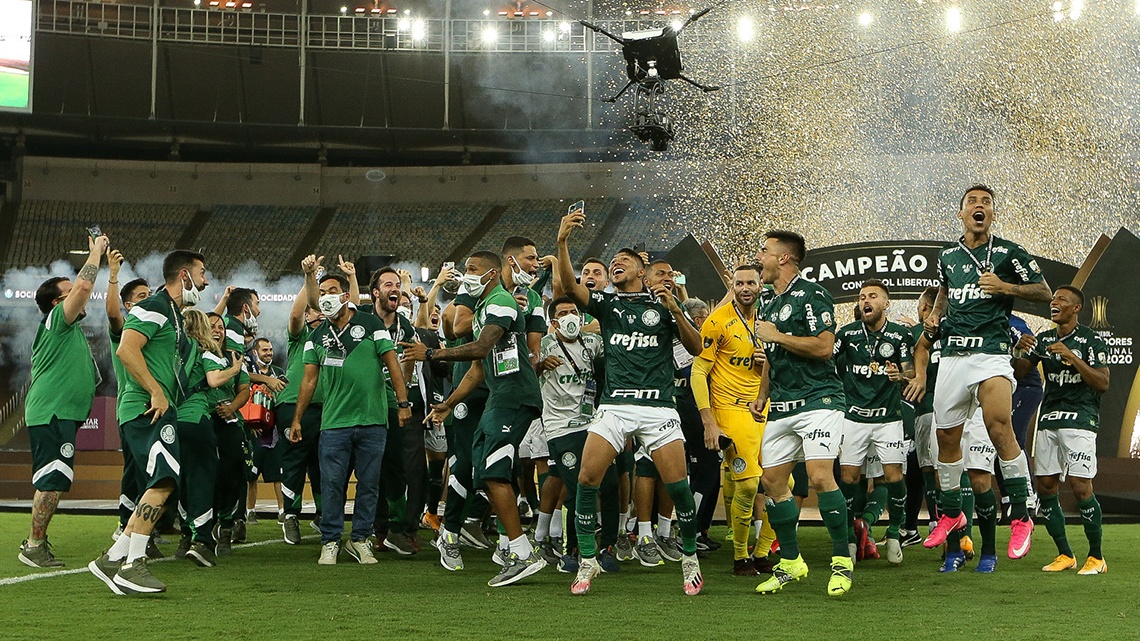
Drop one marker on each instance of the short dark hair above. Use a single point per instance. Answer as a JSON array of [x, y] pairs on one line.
[[795, 244], [256, 341], [749, 267], [240, 297], [515, 243], [875, 282], [47, 292], [595, 259], [659, 261], [214, 315], [491, 258], [130, 287], [340, 280], [561, 300], [978, 187], [374, 281], [930, 294], [628, 251], [1076, 292], [178, 260]]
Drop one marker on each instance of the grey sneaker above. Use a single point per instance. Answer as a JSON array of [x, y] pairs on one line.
[[238, 535], [39, 556], [471, 535], [501, 556], [201, 554], [292, 529], [607, 561], [184, 544], [399, 543], [251, 517], [105, 569], [894, 551], [517, 569], [315, 524], [361, 551], [449, 556], [549, 552], [669, 548], [623, 549], [117, 533], [646, 552], [329, 552], [225, 539], [152, 551], [135, 578]]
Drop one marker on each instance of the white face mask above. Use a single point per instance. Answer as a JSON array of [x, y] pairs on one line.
[[330, 304], [519, 276], [266, 362], [191, 296], [570, 326], [473, 283], [251, 323], [404, 311]]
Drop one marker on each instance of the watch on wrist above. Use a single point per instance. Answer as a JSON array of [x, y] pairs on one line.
[[404, 405], [428, 353]]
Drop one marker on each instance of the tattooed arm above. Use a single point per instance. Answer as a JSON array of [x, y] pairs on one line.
[[76, 301]]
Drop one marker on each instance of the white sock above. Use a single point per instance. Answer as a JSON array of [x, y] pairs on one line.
[[521, 546], [504, 542], [119, 550], [137, 549], [556, 524], [664, 526], [756, 525], [542, 530], [644, 528], [625, 523]]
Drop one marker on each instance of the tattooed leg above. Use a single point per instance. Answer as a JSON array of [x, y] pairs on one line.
[[149, 509], [43, 507]]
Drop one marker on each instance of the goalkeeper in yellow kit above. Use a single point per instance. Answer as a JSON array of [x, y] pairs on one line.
[[725, 382]]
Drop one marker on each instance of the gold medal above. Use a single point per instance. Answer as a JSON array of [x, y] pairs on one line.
[[874, 367]]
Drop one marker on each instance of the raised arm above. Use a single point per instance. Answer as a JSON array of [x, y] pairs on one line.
[[76, 301], [113, 305], [575, 290], [308, 295]]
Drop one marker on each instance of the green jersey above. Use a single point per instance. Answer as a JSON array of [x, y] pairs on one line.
[[64, 377], [1069, 402], [228, 391], [977, 322], [861, 357], [351, 369], [295, 368], [534, 314], [798, 384], [197, 404], [459, 368], [511, 380], [235, 335], [117, 366], [926, 405], [167, 349], [638, 334]]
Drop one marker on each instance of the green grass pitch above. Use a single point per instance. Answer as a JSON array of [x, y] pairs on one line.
[[14, 90]]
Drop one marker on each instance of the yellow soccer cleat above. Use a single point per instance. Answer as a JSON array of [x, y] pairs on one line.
[[842, 569], [1061, 563], [785, 572], [1093, 565], [967, 545]]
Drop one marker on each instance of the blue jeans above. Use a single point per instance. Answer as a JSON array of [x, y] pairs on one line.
[[365, 446]]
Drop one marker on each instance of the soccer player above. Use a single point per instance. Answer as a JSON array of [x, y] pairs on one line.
[[919, 392], [154, 352], [805, 414], [266, 448], [725, 382], [981, 275], [499, 358], [61, 392], [1076, 375], [874, 355], [638, 327]]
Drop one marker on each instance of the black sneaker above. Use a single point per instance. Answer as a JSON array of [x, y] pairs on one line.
[[184, 544], [238, 535], [224, 545], [910, 537], [152, 551], [201, 554], [608, 561], [705, 544]]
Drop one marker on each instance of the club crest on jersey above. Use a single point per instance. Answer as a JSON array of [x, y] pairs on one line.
[[569, 460], [1077, 353], [826, 317], [708, 342], [785, 312], [356, 332], [67, 450], [738, 465], [651, 317], [167, 434], [460, 411], [886, 350]]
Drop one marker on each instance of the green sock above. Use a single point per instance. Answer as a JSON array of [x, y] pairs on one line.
[[1018, 491], [587, 510], [500, 527], [849, 491], [1055, 522], [951, 506], [896, 493], [968, 501], [876, 503], [833, 509], [686, 508], [784, 517], [1091, 517], [930, 487], [986, 504]]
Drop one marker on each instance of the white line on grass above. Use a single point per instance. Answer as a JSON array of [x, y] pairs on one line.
[[54, 573]]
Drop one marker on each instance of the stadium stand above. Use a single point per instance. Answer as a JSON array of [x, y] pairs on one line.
[[647, 223], [538, 220], [236, 234]]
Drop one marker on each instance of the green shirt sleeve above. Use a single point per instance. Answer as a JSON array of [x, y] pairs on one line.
[[145, 320]]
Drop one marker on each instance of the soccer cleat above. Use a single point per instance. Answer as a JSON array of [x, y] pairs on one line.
[[1061, 563], [870, 551], [623, 549], [967, 546], [449, 556], [224, 545], [134, 577], [587, 570], [607, 561], [987, 564], [862, 540], [238, 535], [669, 549], [201, 554], [184, 543], [894, 551], [568, 564], [152, 551], [291, 529], [945, 526], [842, 569], [909, 538], [501, 556], [517, 569], [471, 535], [105, 570], [953, 561], [329, 551], [1020, 537], [549, 552], [744, 567], [361, 551], [647, 553], [786, 571], [763, 564], [1092, 566], [38, 556], [431, 522], [399, 543], [692, 581]]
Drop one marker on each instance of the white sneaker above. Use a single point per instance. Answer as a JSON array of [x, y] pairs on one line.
[[329, 552], [894, 551], [362, 551], [587, 570]]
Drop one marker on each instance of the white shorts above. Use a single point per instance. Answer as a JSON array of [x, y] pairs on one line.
[[534, 445], [435, 439], [872, 467], [860, 441], [978, 452], [1068, 452], [956, 391], [654, 427], [812, 436], [925, 440]]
